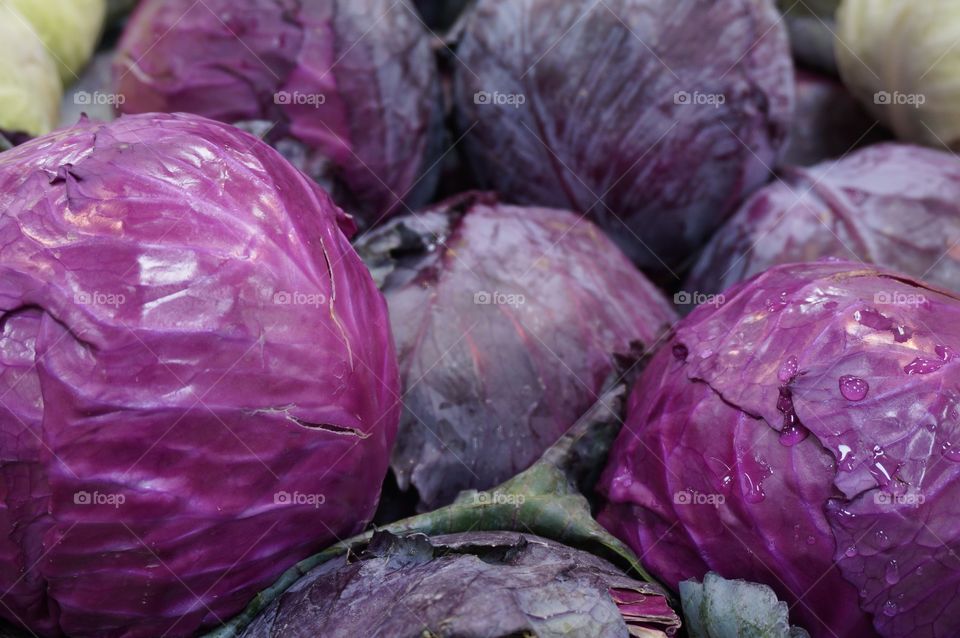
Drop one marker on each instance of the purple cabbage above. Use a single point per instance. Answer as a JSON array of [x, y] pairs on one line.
[[894, 205], [508, 321], [656, 117], [468, 584], [829, 122], [805, 434], [346, 89], [198, 382]]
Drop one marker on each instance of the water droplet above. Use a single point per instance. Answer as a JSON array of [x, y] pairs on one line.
[[788, 369], [847, 457], [793, 430], [946, 353], [951, 452], [873, 319], [785, 400], [778, 303], [902, 334], [853, 388], [882, 539], [878, 321], [680, 351], [851, 552], [893, 572], [922, 366], [793, 434], [880, 470], [754, 471], [811, 540], [890, 608]]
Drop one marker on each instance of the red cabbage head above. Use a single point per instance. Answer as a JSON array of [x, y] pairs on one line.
[[197, 380], [805, 433], [894, 205], [655, 117], [508, 321], [346, 89]]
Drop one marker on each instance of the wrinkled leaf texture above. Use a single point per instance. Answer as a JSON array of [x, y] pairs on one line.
[[508, 320], [469, 584], [155, 349], [604, 127], [855, 525], [268, 63], [894, 205]]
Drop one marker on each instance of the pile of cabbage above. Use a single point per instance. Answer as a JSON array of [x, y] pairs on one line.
[[341, 317]]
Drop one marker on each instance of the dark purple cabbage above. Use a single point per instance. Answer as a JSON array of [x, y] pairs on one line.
[[891, 204], [613, 109], [198, 387], [805, 434], [346, 89], [829, 122], [469, 584], [508, 321]]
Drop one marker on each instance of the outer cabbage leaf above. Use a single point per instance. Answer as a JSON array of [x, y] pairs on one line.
[[197, 376], [891, 204], [468, 584], [346, 89], [656, 117], [508, 320], [802, 435], [719, 608]]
